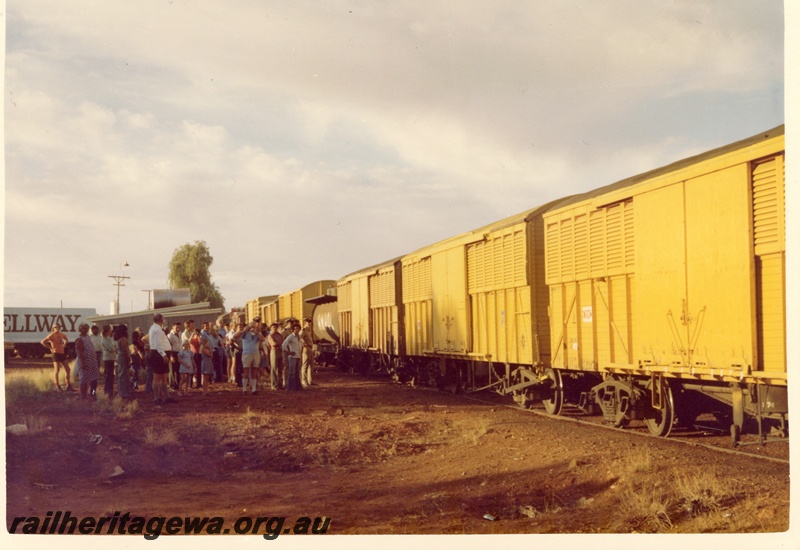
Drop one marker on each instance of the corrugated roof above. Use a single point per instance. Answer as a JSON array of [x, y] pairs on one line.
[[201, 307], [371, 268], [477, 234]]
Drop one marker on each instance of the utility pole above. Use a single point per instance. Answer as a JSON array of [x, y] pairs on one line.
[[119, 281], [149, 293]]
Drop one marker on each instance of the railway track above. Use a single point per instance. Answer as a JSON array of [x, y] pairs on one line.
[[777, 451], [700, 436]]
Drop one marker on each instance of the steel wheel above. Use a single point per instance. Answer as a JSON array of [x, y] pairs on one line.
[[663, 420], [555, 403]]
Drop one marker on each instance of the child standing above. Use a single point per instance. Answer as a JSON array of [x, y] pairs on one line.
[[186, 360]]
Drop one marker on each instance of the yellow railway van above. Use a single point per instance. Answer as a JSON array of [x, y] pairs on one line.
[[370, 315], [255, 308], [476, 308], [295, 304], [269, 310], [669, 290]]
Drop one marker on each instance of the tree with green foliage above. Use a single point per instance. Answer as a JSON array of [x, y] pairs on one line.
[[189, 268]]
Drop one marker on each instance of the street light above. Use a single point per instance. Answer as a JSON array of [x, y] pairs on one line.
[[119, 281]]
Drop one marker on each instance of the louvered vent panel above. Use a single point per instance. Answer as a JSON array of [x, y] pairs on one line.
[[614, 239], [553, 258], [768, 215]]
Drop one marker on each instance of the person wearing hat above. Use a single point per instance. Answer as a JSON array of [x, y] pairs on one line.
[[307, 337], [56, 342]]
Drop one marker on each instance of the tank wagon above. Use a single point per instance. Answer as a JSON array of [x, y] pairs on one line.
[[316, 300], [325, 322], [657, 298]]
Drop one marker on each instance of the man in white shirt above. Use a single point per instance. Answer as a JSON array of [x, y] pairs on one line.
[[187, 334], [159, 346]]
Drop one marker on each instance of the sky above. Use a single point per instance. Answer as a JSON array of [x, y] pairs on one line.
[[305, 140]]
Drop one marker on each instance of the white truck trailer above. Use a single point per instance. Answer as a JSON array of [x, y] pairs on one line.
[[25, 327]]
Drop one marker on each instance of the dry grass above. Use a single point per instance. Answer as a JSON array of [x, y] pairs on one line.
[[652, 499], [103, 403], [552, 504], [637, 463], [27, 385], [121, 409], [160, 438], [643, 505], [643, 509], [713, 502], [700, 494], [125, 410]]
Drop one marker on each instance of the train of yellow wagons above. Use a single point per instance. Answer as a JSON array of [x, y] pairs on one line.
[[658, 298]]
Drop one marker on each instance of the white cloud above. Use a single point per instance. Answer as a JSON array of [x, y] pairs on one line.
[[361, 129]]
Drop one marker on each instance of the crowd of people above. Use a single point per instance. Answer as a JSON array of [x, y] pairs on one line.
[[184, 358]]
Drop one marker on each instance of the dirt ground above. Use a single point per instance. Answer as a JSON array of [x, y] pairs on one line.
[[376, 458]]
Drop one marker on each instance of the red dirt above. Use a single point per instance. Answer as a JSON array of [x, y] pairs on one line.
[[377, 458]]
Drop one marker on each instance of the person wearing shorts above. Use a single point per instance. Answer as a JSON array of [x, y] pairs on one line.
[[251, 340], [56, 342]]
